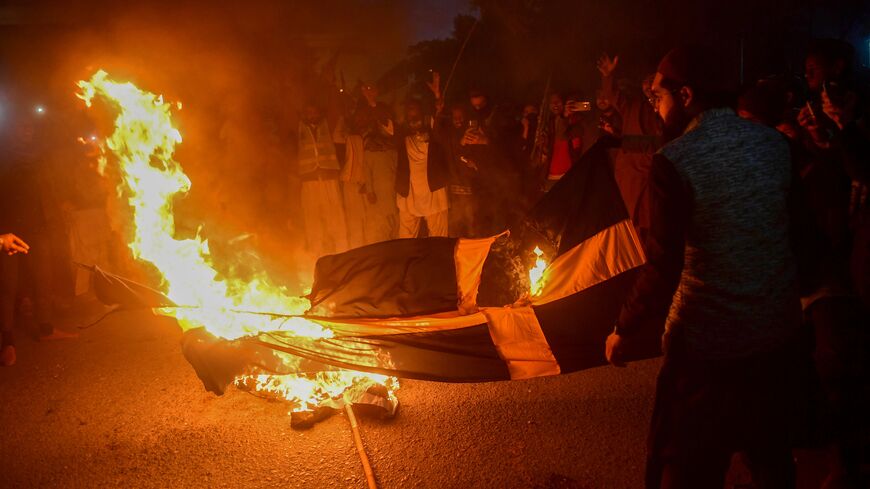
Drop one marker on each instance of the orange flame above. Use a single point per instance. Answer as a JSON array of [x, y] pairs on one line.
[[143, 143], [536, 274]]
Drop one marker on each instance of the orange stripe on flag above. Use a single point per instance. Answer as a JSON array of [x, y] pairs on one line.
[[520, 342], [469, 256], [603, 256]]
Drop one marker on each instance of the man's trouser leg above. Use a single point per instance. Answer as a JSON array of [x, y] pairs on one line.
[[437, 224], [331, 208], [670, 464], [354, 214], [381, 216], [839, 327], [323, 209], [706, 411], [409, 226], [310, 199], [8, 295]]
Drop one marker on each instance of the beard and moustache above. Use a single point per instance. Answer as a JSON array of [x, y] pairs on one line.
[[415, 125], [418, 130], [675, 123]]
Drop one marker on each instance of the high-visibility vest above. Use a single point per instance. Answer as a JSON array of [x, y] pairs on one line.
[[316, 150]]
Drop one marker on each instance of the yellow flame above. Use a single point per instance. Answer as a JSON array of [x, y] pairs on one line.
[[332, 385], [536, 274], [143, 143]]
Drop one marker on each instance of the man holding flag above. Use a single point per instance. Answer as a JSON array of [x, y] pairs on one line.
[[721, 271]]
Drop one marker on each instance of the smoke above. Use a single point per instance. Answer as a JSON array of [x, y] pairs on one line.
[[242, 71]]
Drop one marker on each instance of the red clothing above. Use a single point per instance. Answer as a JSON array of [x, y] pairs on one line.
[[561, 160], [567, 146]]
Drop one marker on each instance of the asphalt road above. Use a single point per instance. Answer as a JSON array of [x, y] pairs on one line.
[[120, 407]]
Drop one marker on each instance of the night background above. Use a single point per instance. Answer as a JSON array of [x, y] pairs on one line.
[[123, 405], [243, 71]]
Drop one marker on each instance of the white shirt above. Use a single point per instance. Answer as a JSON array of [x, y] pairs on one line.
[[421, 201]]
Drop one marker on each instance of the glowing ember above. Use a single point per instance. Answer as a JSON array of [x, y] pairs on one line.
[[143, 144], [536, 274]]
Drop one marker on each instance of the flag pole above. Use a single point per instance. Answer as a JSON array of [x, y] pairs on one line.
[[360, 449], [537, 146], [458, 57]]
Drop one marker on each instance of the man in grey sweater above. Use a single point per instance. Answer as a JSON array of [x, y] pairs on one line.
[[721, 277]]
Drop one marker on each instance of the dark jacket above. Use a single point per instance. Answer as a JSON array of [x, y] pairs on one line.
[[437, 168]]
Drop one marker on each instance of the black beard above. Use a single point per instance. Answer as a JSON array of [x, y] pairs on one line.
[[416, 125], [675, 124]]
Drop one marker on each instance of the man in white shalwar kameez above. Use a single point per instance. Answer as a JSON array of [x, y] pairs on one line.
[[421, 178]]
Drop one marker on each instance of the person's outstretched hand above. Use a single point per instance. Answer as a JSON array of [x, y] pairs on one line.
[[12, 244], [435, 84], [606, 64]]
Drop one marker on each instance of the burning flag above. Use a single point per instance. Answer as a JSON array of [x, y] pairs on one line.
[[193, 290], [461, 310], [442, 309]]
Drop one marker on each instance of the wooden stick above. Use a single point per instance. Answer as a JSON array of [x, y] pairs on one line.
[[458, 57], [360, 449], [543, 120]]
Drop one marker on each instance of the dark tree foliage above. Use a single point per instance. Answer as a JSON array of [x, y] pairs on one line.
[[517, 44]]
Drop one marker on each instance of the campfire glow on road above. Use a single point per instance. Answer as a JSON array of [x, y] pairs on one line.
[[143, 146]]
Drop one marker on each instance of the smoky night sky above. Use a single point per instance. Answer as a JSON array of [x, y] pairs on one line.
[[433, 19], [252, 217], [243, 69]]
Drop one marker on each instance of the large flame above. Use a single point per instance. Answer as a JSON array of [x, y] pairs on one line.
[[143, 143], [536, 273]]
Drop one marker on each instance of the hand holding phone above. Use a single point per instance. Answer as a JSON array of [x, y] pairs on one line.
[[578, 106], [469, 163]]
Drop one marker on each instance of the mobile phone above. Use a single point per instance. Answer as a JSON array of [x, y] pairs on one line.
[[580, 106], [473, 124]]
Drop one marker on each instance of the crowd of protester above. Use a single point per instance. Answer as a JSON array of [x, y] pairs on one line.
[[466, 169], [742, 204], [368, 176], [751, 205]]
